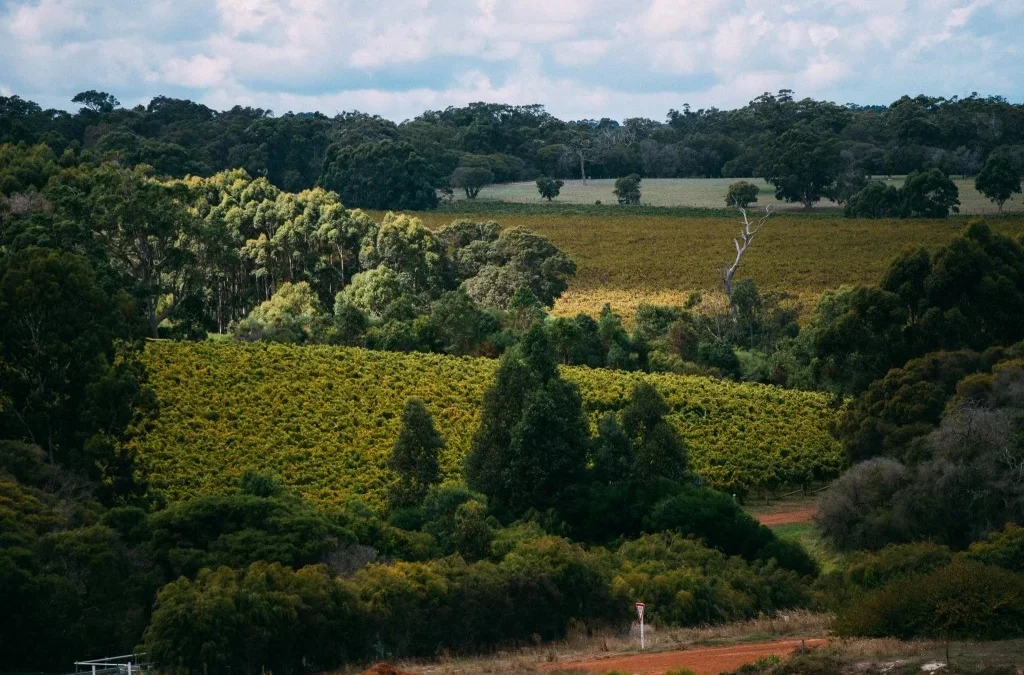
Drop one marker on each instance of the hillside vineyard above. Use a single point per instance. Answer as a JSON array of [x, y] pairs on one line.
[[325, 418]]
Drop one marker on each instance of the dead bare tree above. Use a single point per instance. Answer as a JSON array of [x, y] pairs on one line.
[[581, 148], [743, 242]]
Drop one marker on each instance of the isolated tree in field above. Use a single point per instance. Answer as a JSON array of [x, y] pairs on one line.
[[742, 194], [627, 189], [803, 165], [874, 200], [742, 243], [471, 179], [929, 194], [415, 456], [549, 187], [998, 180]]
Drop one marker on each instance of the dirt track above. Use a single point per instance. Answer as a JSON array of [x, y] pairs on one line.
[[702, 660], [788, 517]]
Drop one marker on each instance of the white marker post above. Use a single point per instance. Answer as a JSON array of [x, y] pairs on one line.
[[640, 613]]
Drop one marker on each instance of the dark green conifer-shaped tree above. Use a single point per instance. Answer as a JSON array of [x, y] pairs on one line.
[[415, 456], [531, 445]]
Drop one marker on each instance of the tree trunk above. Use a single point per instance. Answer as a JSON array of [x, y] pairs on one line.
[[583, 170], [151, 315]]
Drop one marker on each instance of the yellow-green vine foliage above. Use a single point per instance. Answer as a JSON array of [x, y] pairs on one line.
[[324, 418]]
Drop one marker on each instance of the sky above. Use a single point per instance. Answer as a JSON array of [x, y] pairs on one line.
[[578, 58]]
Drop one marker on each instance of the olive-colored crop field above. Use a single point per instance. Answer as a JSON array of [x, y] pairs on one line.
[[324, 418], [627, 258]]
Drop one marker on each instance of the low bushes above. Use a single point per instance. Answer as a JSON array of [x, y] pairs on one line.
[[963, 600], [272, 616]]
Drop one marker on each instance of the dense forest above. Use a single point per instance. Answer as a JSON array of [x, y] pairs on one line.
[[177, 222], [375, 163]]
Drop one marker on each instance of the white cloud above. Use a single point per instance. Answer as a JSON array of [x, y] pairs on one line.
[[670, 18], [400, 57], [197, 72], [399, 42], [49, 18], [581, 52]]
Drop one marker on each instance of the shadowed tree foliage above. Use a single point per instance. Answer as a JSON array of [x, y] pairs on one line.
[[471, 179], [627, 189], [968, 294], [380, 175], [929, 194], [803, 165], [67, 389], [548, 187], [999, 180], [531, 444], [415, 457], [742, 194]]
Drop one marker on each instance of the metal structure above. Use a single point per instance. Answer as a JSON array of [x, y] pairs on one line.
[[128, 664]]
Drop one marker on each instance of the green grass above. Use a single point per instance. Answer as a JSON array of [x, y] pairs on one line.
[[704, 193], [804, 533]]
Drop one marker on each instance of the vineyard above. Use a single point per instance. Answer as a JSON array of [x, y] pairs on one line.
[[324, 418], [626, 257]]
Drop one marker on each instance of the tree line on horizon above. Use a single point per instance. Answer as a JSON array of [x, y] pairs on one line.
[[376, 163]]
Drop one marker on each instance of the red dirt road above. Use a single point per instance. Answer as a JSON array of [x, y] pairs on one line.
[[788, 517], [701, 660]]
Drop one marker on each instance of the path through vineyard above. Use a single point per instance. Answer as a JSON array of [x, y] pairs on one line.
[[793, 511], [702, 660], [800, 515]]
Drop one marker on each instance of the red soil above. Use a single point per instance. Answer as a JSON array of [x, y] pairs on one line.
[[701, 660], [804, 515], [384, 669]]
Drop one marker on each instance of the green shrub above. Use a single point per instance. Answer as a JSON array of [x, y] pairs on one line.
[[1004, 549], [875, 570], [265, 618], [964, 600], [685, 583]]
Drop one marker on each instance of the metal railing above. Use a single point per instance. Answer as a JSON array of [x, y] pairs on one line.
[[128, 664]]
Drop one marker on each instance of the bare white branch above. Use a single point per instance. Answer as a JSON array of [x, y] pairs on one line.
[[743, 242]]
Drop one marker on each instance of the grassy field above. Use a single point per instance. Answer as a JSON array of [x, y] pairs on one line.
[[324, 418], [707, 193], [627, 257]]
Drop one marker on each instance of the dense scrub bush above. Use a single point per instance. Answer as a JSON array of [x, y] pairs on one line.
[[904, 405], [870, 571], [856, 512], [1004, 549], [964, 600], [266, 617], [685, 583], [968, 484], [273, 617]]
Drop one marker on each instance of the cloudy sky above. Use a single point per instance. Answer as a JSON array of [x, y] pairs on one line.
[[579, 58]]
